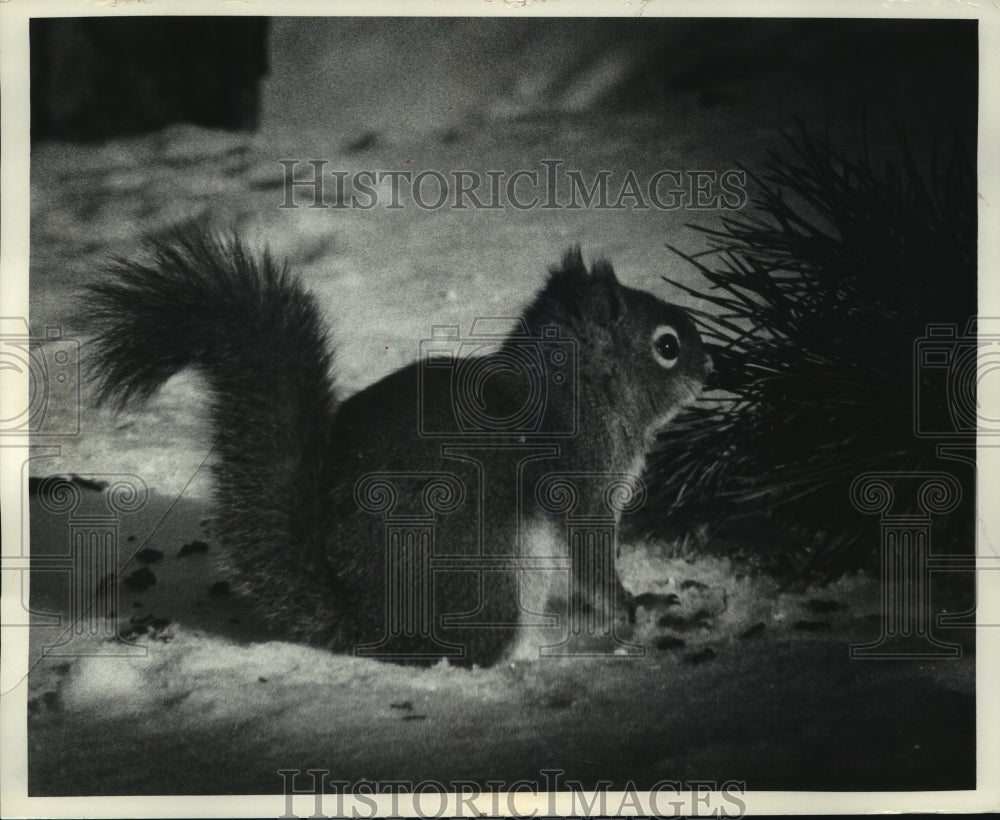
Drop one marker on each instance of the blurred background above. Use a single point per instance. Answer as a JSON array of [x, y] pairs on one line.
[[97, 78]]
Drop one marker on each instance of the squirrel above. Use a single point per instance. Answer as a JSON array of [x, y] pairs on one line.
[[447, 455]]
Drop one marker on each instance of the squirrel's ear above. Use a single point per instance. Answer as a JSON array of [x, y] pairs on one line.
[[604, 302], [571, 267], [602, 269], [593, 295]]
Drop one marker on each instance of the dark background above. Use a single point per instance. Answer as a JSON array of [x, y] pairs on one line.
[[94, 78]]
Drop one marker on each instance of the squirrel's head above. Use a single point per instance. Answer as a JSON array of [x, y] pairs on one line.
[[643, 356]]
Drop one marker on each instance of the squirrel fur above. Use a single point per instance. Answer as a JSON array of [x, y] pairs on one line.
[[291, 455]]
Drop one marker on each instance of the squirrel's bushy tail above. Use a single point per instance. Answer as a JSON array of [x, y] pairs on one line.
[[204, 301]]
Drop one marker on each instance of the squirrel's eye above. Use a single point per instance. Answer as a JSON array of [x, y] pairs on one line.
[[666, 346]]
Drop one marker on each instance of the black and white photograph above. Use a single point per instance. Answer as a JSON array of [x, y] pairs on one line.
[[570, 411]]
